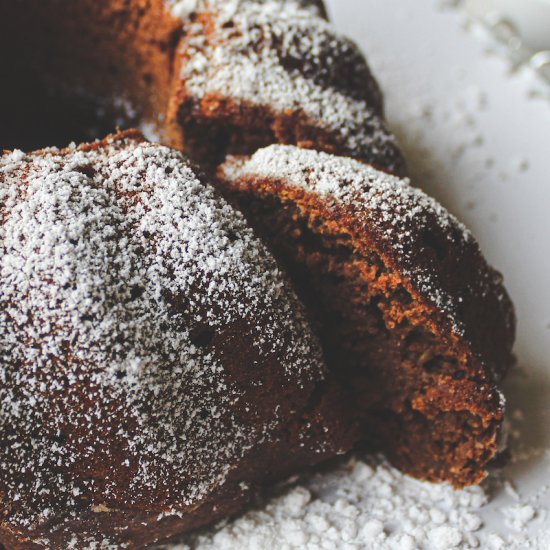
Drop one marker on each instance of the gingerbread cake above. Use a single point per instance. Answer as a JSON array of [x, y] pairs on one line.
[[206, 76], [410, 314], [157, 367]]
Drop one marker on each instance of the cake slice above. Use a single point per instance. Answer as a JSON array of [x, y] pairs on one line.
[[410, 314]]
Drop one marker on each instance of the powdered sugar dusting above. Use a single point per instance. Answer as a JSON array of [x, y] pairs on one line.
[[182, 8], [111, 260], [282, 57]]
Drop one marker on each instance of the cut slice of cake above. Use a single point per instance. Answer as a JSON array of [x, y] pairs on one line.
[[410, 313], [250, 74]]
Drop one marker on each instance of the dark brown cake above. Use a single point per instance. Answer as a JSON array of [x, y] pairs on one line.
[[110, 367], [156, 365], [409, 312], [254, 73], [206, 76]]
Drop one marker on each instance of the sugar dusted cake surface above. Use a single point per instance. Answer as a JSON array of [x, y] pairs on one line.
[[139, 321]]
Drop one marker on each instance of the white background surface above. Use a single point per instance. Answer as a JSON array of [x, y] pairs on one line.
[[478, 138]]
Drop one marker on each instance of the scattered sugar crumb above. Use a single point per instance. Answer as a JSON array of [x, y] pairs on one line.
[[520, 164], [367, 504], [519, 515]]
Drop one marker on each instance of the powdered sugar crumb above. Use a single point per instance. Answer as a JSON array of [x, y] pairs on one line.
[[182, 8], [364, 504], [518, 515]]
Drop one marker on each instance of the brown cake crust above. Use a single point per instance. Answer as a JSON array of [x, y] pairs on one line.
[[156, 365], [408, 309]]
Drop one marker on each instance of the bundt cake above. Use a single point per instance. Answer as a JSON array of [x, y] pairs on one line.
[[409, 312], [156, 365], [206, 76]]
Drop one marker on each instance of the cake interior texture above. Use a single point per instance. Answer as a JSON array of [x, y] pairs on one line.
[[423, 398]]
